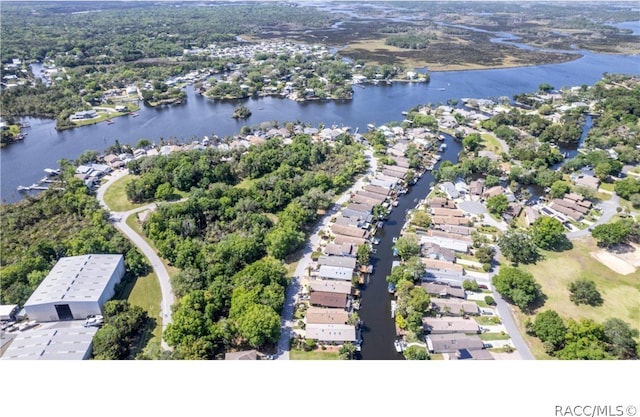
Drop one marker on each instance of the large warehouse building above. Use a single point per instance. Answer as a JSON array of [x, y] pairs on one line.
[[76, 287]]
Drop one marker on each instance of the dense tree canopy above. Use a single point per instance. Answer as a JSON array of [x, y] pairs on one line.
[[517, 286], [518, 247]]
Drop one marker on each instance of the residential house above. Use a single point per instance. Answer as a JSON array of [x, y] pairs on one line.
[[339, 250], [493, 191], [443, 290], [585, 180], [513, 211], [441, 325], [449, 189], [435, 266], [446, 212], [335, 272], [250, 355], [454, 306], [476, 189], [317, 315], [448, 343], [353, 241], [469, 354], [377, 190], [331, 333], [328, 299], [340, 229], [331, 286], [340, 261], [440, 202], [435, 251]]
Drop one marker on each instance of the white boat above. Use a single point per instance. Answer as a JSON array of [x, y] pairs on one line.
[[51, 172], [393, 308], [398, 346], [443, 147], [394, 203]]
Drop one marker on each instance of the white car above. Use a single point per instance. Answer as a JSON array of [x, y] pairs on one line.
[[94, 320]]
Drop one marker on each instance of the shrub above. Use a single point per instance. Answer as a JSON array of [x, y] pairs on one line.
[[584, 291], [489, 300]]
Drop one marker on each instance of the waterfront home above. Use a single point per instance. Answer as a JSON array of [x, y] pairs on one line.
[[441, 325], [328, 299], [377, 190], [318, 315], [84, 115], [454, 221], [454, 307], [436, 266], [361, 208], [331, 286], [340, 229], [446, 212], [354, 241], [446, 343], [379, 199], [335, 272], [331, 333], [340, 261], [458, 230], [357, 198], [340, 250], [446, 242], [435, 251], [449, 189], [476, 188], [441, 203], [114, 161]]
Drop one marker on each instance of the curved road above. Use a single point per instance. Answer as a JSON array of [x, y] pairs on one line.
[[119, 221]]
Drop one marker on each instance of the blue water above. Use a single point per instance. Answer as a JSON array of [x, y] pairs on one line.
[[23, 163]]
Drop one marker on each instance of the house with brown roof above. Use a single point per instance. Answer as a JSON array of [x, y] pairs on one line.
[[358, 198], [454, 221], [441, 202], [440, 325], [530, 215], [317, 315], [493, 191], [377, 190], [446, 212], [353, 241], [374, 196], [458, 230], [435, 266], [340, 229], [447, 343], [575, 215], [339, 250], [588, 181], [513, 210], [328, 299], [365, 209], [476, 188]]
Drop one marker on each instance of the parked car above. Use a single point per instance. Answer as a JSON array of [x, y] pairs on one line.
[[94, 320]]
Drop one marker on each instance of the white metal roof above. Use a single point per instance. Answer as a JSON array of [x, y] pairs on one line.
[[331, 332], [335, 272], [70, 343], [76, 278]]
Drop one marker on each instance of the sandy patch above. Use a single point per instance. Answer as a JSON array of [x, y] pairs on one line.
[[616, 262], [503, 356]]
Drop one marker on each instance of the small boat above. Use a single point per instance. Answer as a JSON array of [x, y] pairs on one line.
[[443, 147], [404, 113], [394, 305], [391, 288], [398, 346], [394, 203], [441, 89], [52, 172], [395, 239], [134, 114], [110, 122]]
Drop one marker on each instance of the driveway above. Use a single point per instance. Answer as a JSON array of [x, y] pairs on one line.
[[476, 208], [119, 221]]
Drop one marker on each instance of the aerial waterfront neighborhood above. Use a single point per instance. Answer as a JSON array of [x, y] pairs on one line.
[[313, 182]]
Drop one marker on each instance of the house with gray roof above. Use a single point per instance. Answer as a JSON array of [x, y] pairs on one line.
[[440, 325], [448, 343]]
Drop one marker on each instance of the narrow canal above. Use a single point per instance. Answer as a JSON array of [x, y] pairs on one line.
[[379, 328]]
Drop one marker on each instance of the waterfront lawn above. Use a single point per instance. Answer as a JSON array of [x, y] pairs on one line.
[[116, 197], [314, 355], [620, 292]]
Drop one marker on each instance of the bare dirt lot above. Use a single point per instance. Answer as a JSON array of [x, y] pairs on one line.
[[623, 259]]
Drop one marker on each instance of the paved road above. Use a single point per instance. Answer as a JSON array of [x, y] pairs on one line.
[[608, 211], [301, 270], [506, 316], [119, 221]]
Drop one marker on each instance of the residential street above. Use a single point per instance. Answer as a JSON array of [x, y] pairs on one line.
[[119, 221]]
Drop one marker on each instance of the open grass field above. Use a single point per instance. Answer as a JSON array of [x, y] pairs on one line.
[[490, 143], [116, 196], [315, 355], [621, 293], [146, 294]]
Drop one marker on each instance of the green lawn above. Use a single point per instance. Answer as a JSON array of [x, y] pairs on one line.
[[146, 294], [488, 321], [116, 196], [490, 143], [315, 355], [607, 186], [621, 293], [494, 336]]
